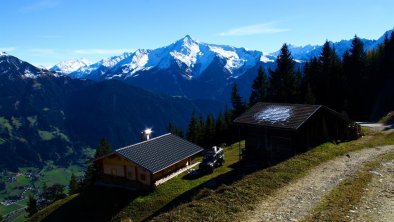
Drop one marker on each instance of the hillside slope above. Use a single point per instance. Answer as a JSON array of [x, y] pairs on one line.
[[49, 117]]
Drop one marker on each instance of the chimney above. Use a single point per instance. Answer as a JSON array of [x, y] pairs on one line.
[[146, 134]]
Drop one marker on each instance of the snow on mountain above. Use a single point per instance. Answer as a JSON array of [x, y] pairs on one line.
[[267, 58], [190, 57], [69, 66], [304, 53], [98, 68], [14, 68]]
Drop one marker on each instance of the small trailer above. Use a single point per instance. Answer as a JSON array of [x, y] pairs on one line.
[[213, 158]]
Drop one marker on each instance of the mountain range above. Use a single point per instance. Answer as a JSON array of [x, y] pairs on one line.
[[45, 116], [193, 69]]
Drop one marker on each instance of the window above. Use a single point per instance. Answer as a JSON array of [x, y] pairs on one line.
[[129, 174], [143, 177]]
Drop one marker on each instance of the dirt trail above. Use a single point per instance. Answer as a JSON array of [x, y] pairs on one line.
[[293, 202], [377, 204]]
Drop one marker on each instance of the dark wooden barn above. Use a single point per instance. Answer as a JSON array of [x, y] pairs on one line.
[[275, 132]]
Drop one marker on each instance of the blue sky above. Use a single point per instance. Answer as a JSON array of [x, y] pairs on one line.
[[48, 31]]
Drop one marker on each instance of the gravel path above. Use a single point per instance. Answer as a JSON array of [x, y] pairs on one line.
[[377, 203], [293, 202]]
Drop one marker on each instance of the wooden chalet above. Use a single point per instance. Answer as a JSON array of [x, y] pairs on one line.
[[140, 165], [275, 132]]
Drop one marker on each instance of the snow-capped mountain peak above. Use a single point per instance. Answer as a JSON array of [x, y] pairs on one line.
[[70, 66], [3, 54], [186, 51]]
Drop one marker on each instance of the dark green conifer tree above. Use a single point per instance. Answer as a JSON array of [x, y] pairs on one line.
[[174, 130], [209, 131], [73, 186], [200, 130], [192, 130], [32, 207], [236, 101], [259, 88], [103, 148], [355, 68], [282, 81]]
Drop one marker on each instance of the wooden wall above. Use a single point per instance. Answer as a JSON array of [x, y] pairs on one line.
[[116, 165]]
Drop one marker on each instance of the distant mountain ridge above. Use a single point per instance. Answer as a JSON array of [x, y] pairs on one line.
[[70, 66], [305, 53], [188, 55], [197, 70]]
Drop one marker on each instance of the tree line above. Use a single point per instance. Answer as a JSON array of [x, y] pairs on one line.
[[350, 84]]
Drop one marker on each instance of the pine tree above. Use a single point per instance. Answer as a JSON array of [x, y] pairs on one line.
[[355, 68], [282, 81], [191, 134], [310, 97], [73, 186], [90, 176], [200, 130], [32, 207], [92, 169], [209, 131], [236, 100], [221, 128], [259, 88], [53, 193], [103, 148], [174, 130], [329, 83]]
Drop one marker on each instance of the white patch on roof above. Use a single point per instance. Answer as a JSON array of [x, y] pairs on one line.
[[274, 114]]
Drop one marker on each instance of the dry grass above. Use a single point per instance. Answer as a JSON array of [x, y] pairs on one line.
[[336, 205], [229, 202]]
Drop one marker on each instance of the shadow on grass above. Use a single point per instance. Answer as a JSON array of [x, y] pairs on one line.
[[95, 204], [240, 170]]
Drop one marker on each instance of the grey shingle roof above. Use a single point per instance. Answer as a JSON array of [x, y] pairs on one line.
[[160, 152], [287, 116]]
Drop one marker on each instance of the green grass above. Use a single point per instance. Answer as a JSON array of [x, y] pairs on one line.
[[32, 121], [120, 204], [48, 210], [21, 218], [16, 122], [244, 193], [144, 206], [5, 125], [7, 209], [50, 174], [181, 199], [336, 205], [46, 135]]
